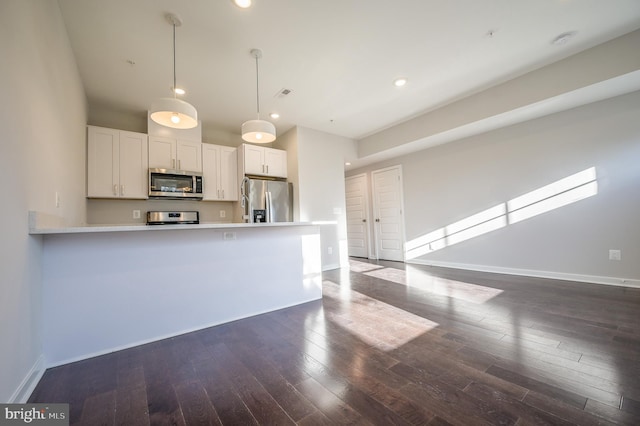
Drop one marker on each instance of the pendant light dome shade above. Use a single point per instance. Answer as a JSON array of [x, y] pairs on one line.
[[175, 113], [258, 131]]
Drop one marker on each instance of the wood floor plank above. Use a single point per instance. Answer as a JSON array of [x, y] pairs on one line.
[[283, 392], [389, 343], [99, 409], [612, 414], [226, 401], [329, 404], [455, 406], [163, 404], [259, 402], [568, 397], [196, 407], [562, 410], [131, 406], [515, 407]]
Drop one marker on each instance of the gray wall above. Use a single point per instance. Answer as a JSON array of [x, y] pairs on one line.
[[42, 151], [447, 183]]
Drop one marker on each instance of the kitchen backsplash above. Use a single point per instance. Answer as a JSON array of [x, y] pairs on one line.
[[116, 212]]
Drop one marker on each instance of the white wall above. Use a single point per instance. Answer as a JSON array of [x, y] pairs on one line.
[[42, 150], [320, 181], [448, 183]]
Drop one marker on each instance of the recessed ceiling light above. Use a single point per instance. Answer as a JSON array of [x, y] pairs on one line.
[[563, 38], [347, 163], [274, 115], [179, 91], [242, 3], [399, 82]]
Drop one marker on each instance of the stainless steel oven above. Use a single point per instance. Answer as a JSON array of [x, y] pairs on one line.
[[175, 184]]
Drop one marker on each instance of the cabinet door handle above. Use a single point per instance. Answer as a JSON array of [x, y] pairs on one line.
[[218, 193], [267, 169], [364, 220], [121, 189], [377, 220], [115, 189], [223, 194], [178, 164], [173, 163]]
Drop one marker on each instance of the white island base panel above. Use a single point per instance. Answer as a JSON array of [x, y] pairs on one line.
[[107, 291]]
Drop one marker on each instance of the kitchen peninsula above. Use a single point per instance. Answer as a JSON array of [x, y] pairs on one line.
[[107, 288]]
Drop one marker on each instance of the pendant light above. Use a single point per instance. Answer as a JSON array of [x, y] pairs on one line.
[[173, 112], [258, 131]]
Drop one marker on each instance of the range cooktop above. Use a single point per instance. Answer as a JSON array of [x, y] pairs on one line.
[[173, 218]]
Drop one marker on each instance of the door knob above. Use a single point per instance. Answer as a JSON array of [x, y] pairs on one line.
[[364, 220]]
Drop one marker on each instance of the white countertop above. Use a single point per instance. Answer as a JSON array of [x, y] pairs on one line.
[[135, 228]]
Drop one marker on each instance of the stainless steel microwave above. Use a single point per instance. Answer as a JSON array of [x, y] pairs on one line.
[[175, 184]]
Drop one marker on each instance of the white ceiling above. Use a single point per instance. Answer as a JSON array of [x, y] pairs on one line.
[[338, 57]]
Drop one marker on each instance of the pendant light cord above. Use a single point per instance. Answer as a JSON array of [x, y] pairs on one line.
[[257, 89], [174, 62]]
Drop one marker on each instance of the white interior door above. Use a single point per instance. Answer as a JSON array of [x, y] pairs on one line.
[[387, 211], [357, 203]]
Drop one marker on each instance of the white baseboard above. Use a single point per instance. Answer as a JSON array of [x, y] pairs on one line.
[[330, 267], [621, 282], [22, 394]]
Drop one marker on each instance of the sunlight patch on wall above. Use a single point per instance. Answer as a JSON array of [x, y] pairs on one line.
[[361, 318], [311, 265], [565, 191], [560, 193]]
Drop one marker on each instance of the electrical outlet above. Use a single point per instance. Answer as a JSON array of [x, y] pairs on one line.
[[229, 235], [330, 250], [223, 214], [615, 254], [136, 214]]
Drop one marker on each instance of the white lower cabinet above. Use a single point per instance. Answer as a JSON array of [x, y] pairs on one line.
[[219, 173], [117, 164]]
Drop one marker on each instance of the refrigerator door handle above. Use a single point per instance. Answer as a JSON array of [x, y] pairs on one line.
[[269, 206]]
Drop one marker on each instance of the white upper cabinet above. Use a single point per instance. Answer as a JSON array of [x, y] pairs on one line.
[[263, 161], [253, 160], [275, 161], [168, 153], [229, 173], [189, 155], [219, 173], [116, 164]]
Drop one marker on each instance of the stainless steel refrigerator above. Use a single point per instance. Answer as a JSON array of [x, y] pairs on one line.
[[266, 200]]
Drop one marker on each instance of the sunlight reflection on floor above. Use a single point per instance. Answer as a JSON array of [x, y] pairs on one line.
[[356, 266], [363, 319], [414, 277]]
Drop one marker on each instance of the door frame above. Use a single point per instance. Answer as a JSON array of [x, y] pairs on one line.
[[402, 210], [367, 212]]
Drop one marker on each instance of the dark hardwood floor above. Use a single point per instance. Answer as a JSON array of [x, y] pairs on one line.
[[388, 344]]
